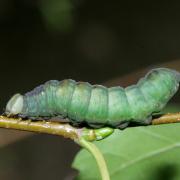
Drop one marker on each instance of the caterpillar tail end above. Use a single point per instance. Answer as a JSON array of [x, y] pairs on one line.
[[96, 134]]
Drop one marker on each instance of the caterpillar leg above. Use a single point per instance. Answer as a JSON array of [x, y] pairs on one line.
[[76, 124], [123, 125], [96, 125], [147, 121], [59, 119], [144, 122], [22, 116]]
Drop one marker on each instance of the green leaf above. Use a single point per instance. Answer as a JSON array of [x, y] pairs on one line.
[[138, 153]]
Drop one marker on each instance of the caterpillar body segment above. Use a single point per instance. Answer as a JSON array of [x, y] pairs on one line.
[[97, 105], [79, 104]]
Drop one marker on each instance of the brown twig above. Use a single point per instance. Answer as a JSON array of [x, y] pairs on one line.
[[55, 128], [82, 136], [68, 131], [47, 127], [167, 118]]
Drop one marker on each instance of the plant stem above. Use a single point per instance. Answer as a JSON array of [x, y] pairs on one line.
[[79, 135], [167, 118], [55, 128], [47, 127], [98, 156]]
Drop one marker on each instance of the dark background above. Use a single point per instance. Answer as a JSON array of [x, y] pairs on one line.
[[84, 40]]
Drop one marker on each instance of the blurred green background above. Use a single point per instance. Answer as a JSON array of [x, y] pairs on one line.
[[84, 40]]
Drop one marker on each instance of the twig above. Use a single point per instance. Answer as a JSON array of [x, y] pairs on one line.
[[40, 126], [167, 118], [69, 131], [82, 136], [79, 135], [55, 128]]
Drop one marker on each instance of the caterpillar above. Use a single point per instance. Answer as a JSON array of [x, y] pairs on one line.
[[96, 105]]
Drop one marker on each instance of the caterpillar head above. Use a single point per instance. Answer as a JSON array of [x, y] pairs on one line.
[[14, 105]]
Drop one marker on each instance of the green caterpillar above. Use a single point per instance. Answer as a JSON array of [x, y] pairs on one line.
[[96, 105]]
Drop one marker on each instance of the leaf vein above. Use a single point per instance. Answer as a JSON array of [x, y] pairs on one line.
[[141, 158], [147, 131]]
